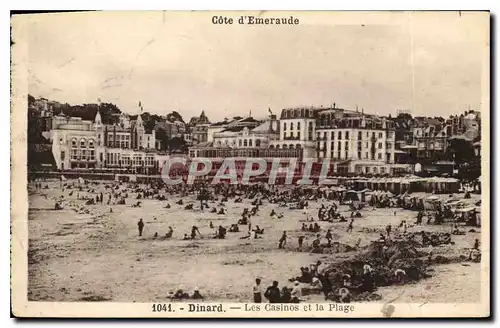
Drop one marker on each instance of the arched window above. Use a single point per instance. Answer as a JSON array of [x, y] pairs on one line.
[[297, 146], [83, 143], [285, 147], [271, 146], [91, 143], [291, 146], [277, 146], [74, 143]]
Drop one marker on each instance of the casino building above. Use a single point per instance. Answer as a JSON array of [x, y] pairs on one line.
[[82, 144]]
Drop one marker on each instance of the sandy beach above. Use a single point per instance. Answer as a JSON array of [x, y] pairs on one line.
[[100, 257]]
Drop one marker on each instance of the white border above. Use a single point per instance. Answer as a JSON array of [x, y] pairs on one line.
[[201, 5]]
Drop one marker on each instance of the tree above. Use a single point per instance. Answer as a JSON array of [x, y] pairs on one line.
[[31, 100], [175, 116]]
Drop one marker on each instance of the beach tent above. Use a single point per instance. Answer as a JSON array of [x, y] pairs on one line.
[[351, 195], [80, 180]]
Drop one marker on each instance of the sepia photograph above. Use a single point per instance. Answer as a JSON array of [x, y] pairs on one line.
[[251, 164]]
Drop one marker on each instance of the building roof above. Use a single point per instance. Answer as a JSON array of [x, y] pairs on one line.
[[222, 123], [205, 144], [234, 129], [264, 127]]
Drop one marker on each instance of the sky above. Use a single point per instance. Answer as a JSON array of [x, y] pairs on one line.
[[427, 63]]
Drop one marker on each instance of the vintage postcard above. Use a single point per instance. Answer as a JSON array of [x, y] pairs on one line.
[[251, 164]]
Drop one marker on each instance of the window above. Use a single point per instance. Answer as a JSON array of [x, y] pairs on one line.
[[346, 155], [239, 142], [250, 142], [382, 170], [310, 131], [367, 169], [360, 135], [388, 156], [359, 155], [380, 135], [149, 160], [298, 125], [245, 143], [91, 155], [73, 154], [379, 155], [338, 154], [389, 145], [257, 142], [298, 135], [291, 134], [375, 170], [137, 159], [339, 135], [373, 135], [366, 155], [367, 145], [360, 146], [291, 126], [346, 145], [284, 126], [339, 145], [91, 143], [82, 143], [73, 143], [367, 134], [126, 160], [379, 145], [347, 134]]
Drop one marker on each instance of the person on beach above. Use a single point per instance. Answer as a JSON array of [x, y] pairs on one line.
[[296, 292], [282, 241], [194, 230], [273, 293], [140, 225], [257, 291], [301, 241], [388, 229], [350, 226]]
